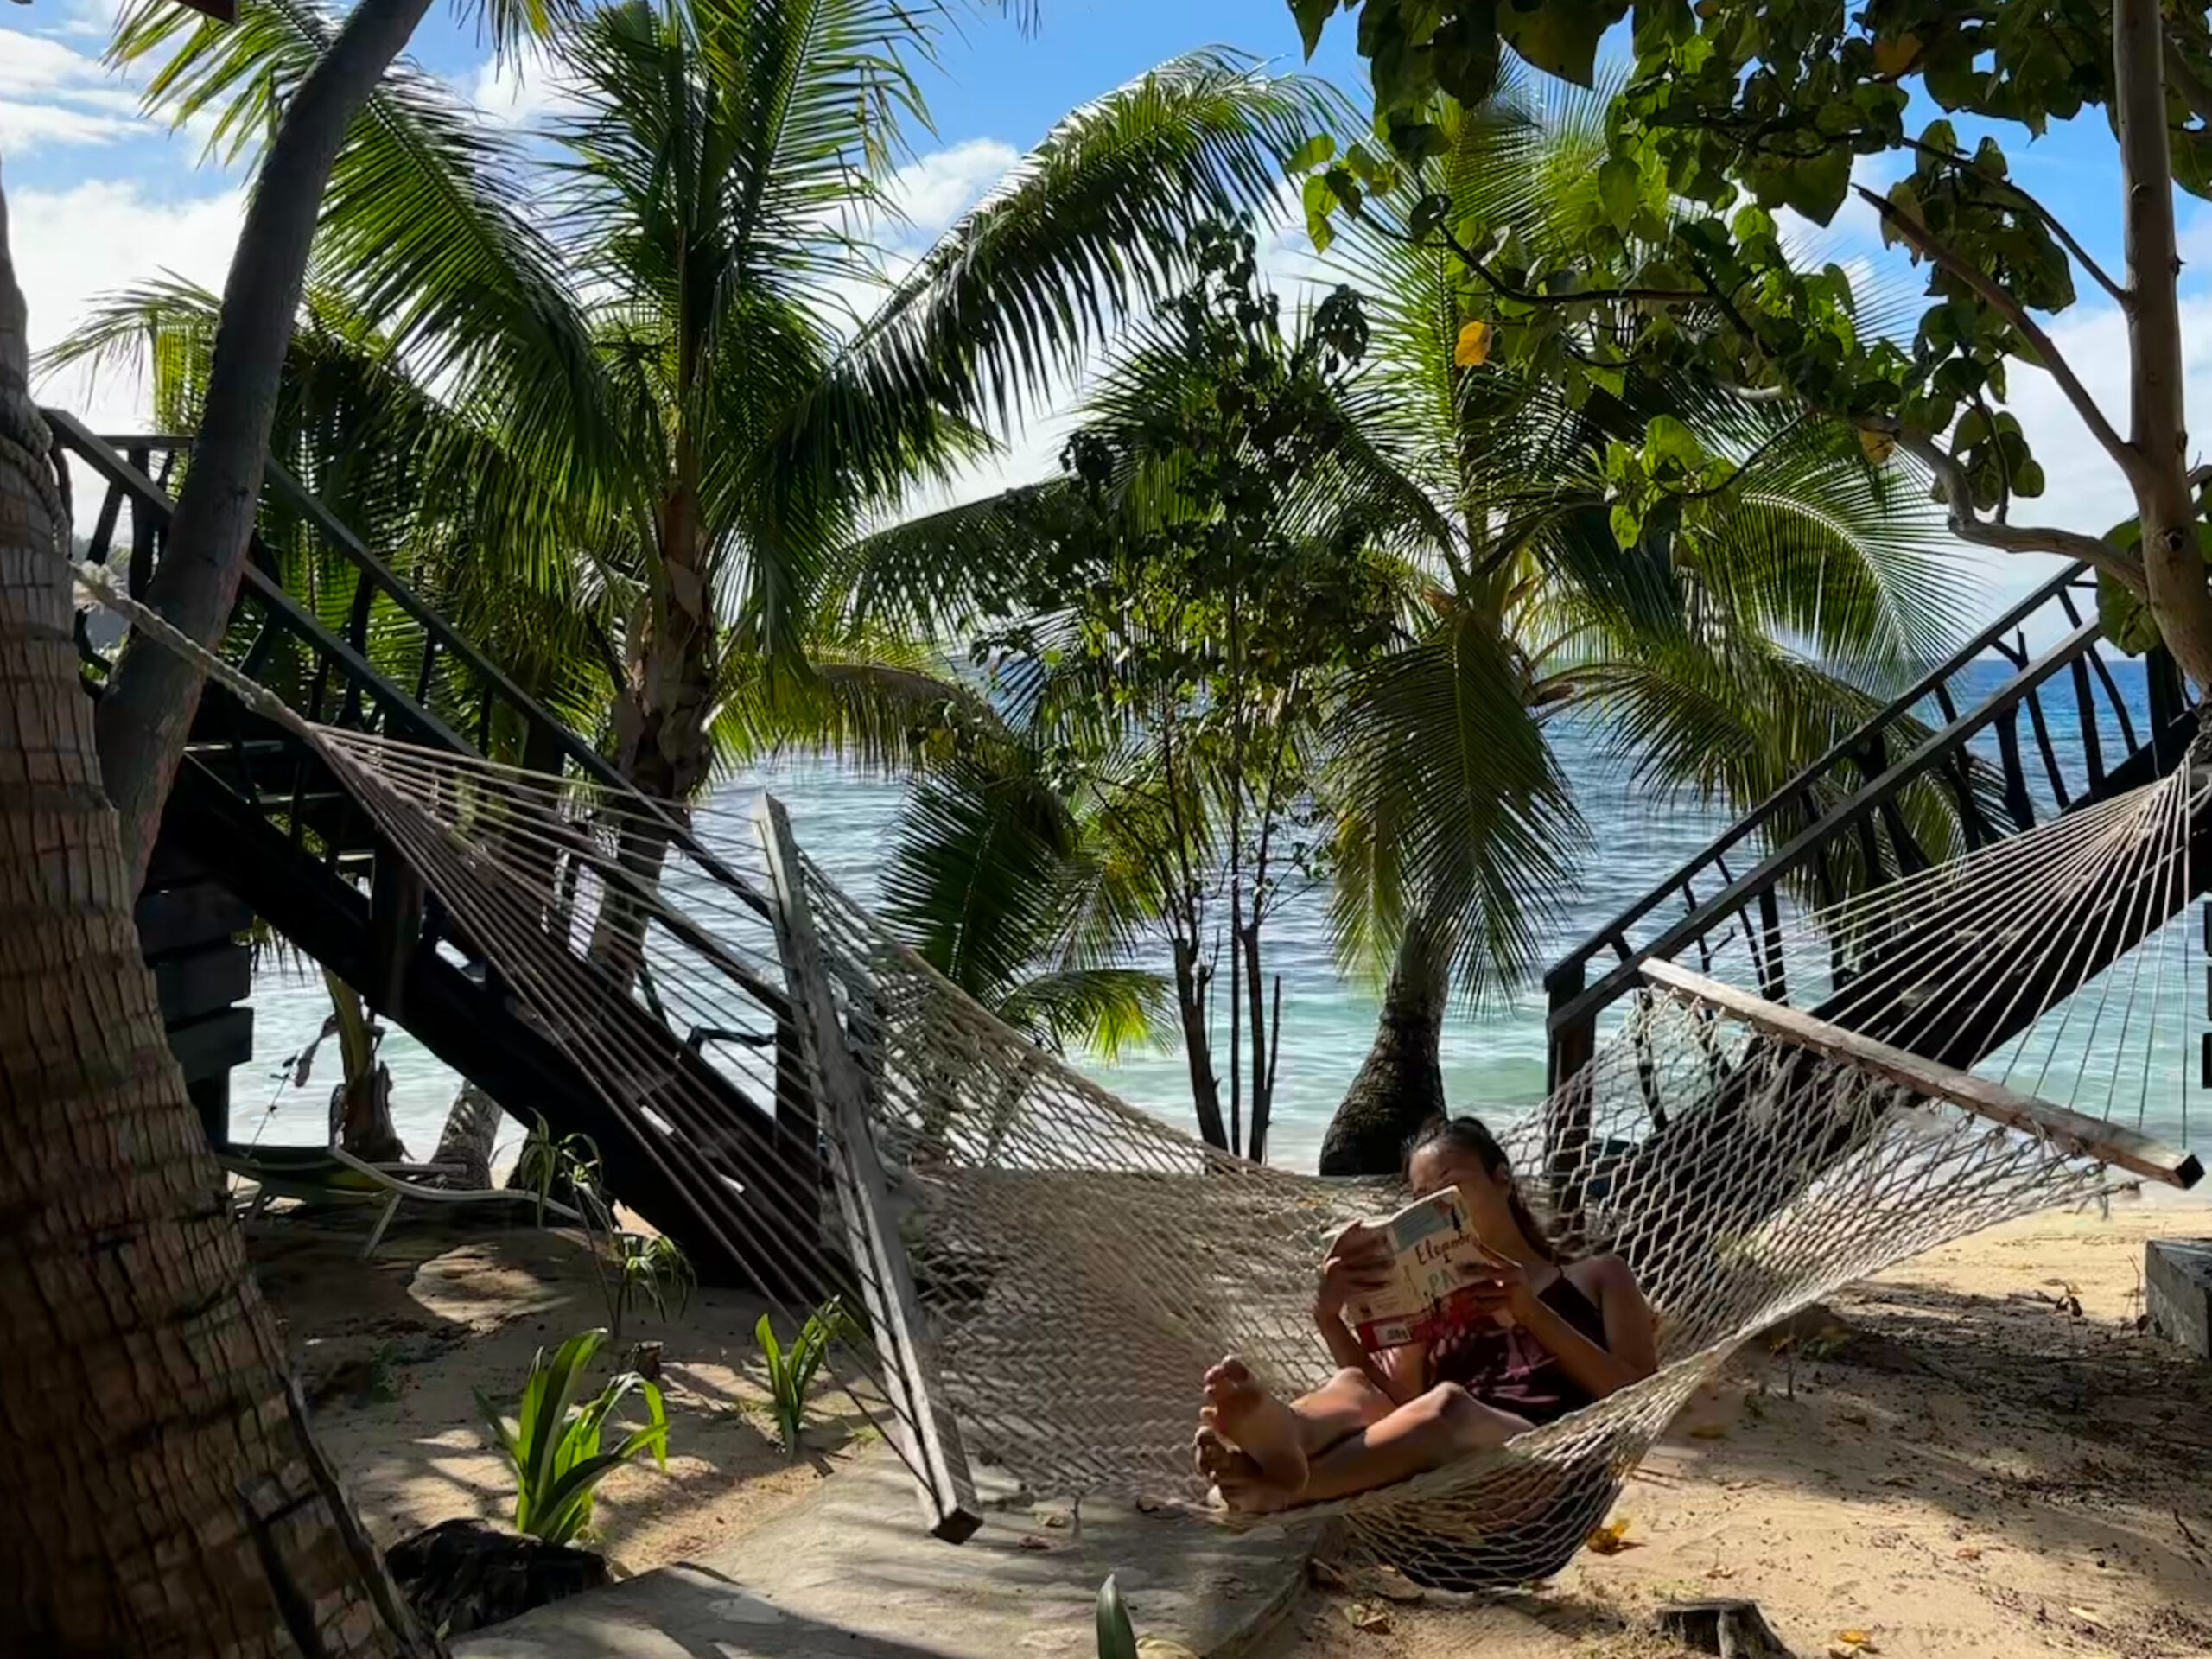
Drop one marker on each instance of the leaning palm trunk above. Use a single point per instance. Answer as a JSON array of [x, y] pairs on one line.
[[164, 1495], [148, 710], [1401, 1085]]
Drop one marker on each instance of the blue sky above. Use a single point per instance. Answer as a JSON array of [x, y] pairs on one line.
[[99, 196]]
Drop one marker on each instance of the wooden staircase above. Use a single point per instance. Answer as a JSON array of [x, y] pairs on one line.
[[257, 825], [1993, 761]]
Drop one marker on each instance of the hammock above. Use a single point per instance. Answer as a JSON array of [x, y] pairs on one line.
[[1048, 1270]]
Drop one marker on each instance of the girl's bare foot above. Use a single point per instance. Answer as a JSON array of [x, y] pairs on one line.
[[1247, 1418], [1237, 1482]]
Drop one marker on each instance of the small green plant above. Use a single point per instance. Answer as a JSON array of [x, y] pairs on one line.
[[1117, 1637], [554, 1445], [568, 1165], [653, 1270], [791, 1370]]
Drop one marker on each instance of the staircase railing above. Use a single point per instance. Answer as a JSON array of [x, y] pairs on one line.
[[1841, 826]]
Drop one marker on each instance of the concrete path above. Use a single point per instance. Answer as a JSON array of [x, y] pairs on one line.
[[850, 1574]]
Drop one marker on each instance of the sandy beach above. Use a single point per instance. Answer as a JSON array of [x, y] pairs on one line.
[[1977, 1455]]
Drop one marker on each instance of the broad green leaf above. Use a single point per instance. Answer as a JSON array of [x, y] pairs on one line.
[[2124, 615], [1117, 1639], [1620, 189], [1313, 17], [1319, 149], [1559, 36]]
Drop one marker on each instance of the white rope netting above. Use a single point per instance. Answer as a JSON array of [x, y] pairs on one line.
[[1078, 1263]]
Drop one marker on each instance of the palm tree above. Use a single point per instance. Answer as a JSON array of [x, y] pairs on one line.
[[167, 1495], [711, 198], [1745, 626]]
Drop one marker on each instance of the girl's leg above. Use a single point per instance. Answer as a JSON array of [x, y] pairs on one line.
[[1443, 1425], [1249, 1438]]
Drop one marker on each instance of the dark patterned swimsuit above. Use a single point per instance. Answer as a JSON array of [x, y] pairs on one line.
[[1511, 1369]]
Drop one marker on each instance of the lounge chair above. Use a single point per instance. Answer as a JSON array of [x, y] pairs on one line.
[[310, 1173]]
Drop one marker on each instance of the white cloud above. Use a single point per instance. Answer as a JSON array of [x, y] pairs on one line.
[[521, 92], [51, 95], [26, 126], [71, 245], [927, 194]]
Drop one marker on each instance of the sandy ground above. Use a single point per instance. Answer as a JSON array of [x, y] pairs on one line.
[[1976, 1472], [391, 1352], [1984, 1458]]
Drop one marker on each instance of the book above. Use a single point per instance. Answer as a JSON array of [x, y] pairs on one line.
[[1433, 1244]]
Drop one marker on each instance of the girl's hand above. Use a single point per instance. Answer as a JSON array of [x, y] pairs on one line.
[[1501, 1289], [1358, 1263]]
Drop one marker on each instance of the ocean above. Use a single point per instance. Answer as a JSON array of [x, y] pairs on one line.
[[1493, 1059]]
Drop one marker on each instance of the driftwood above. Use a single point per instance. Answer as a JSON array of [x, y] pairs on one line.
[[1731, 1629]]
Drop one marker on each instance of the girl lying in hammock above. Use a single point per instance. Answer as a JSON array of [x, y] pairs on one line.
[[1563, 1333]]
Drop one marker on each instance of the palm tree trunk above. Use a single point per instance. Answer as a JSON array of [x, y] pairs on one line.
[[1401, 1085], [165, 1496], [147, 711]]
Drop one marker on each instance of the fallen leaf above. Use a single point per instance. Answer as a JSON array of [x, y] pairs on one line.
[[1369, 1616], [2087, 1615], [1031, 1540], [1966, 1553], [1853, 1638], [1610, 1539], [1710, 1432], [1720, 1572], [1392, 1587], [1473, 348], [1052, 1520], [1159, 1647]]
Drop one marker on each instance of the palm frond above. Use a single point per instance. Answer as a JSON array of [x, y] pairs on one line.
[[1450, 803], [426, 225]]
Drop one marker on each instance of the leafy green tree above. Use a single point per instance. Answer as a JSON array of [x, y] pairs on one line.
[[1167, 629], [1737, 110]]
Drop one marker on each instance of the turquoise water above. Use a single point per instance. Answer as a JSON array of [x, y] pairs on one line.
[[1493, 1060]]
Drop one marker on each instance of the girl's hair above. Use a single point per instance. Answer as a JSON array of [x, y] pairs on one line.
[[1469, 1138]]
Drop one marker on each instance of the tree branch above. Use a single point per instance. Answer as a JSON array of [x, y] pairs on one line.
[[1587, 297], [2051, 219], [2158, 425], [1946, 259], [2194, 91], [1970, 527]]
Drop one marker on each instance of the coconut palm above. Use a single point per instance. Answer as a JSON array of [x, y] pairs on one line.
[[159, 1432], [707, 207], [1765, 609]]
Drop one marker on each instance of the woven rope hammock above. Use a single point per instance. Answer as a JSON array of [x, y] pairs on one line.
[[1048, 1270]]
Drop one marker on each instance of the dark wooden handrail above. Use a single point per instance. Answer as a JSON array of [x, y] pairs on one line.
[[105, 455], [1776, 868], [1846, 749]]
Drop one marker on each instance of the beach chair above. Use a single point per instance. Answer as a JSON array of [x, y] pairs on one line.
[[318, 1174]]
